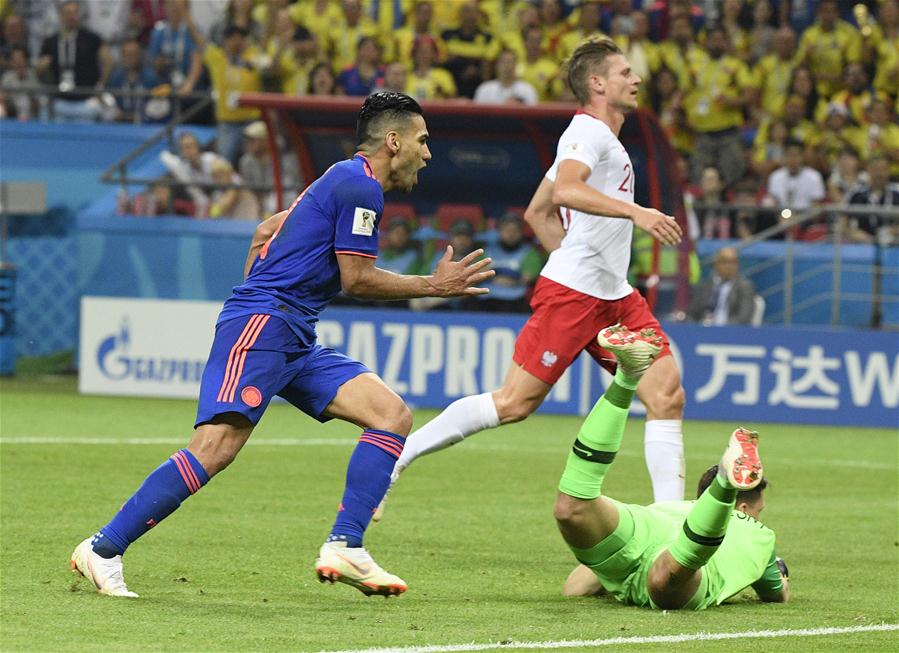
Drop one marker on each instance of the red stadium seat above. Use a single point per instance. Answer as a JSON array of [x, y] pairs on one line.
[[447, 214]]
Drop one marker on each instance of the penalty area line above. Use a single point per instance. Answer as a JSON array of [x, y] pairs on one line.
[[623, 641]]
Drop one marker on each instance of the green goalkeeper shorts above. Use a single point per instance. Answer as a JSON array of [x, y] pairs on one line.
[[642, 534]]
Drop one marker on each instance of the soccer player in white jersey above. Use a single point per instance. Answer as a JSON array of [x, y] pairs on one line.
[[583, 288]]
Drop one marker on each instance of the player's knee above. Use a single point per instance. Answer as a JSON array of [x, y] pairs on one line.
[[395, 417], [510, 408], [220, 459], [568, 510], [216, 444], [666, 402]]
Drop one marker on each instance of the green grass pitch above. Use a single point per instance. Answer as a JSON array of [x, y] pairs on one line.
[[470, 529]]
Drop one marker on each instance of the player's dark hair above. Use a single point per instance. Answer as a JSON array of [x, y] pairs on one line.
[[749, 496], [380, 110], [793, 142], [589, 57]]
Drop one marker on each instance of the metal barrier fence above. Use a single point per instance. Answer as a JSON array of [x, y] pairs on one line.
[[829, 225], [182, 107]]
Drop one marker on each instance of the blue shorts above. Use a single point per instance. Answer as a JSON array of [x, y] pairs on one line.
[[257, 357]]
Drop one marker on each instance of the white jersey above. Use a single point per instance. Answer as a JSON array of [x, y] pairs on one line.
[[596, 250]]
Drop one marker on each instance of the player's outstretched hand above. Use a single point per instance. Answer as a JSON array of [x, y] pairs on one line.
[[662, 227], [460, 278]]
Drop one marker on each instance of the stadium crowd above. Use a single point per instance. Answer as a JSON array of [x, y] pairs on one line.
[[773, 103]]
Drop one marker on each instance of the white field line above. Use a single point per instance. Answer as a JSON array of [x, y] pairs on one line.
[[345, 442], [623, 641]]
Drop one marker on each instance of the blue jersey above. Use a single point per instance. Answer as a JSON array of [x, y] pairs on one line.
[[296, 273]]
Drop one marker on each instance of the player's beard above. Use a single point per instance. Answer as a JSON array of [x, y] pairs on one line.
[[412, 180]]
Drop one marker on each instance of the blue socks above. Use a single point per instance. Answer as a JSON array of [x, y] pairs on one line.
[[367, 481], [159, 496]]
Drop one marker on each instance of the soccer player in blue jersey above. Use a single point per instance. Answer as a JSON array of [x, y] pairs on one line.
[[265, 346]]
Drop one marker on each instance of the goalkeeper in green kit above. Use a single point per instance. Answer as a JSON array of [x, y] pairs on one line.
[[670, 555]]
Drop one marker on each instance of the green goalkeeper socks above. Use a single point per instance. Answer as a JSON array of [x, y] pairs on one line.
[[704, 528], [598, 441]]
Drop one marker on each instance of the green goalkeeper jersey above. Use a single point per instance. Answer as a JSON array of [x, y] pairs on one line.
[[743, 558], [746, 556]]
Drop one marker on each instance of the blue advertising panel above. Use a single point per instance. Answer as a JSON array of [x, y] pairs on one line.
[[738, 374]]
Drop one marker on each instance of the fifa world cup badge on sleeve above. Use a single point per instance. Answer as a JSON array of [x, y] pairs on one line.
[[363, 222]]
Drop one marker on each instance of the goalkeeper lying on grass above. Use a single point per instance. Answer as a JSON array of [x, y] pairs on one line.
[[674, 554]]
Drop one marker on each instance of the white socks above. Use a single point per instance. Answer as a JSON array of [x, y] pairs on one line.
[[460, 419], [663, 446], [663, 442]]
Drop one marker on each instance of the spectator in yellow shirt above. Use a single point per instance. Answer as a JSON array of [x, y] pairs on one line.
[[470, 50], [292, 64], [878, 136], [553, 23], [539, 71], [427, 81], [731, 19], [774, 72], [233, 70], [318, 16], [856, 97], [827, 46], [504, 16], [721, 86], [798, 128], [345, 33], [768, 156], [513, 39], [885, 44], [829, 138], [278, 31], [641, 53], [802, 85], [422, 23], [589, 15], [680, 52], [445, 14]]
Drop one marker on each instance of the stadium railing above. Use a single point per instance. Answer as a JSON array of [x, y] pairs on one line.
[[830, 273], [183, 106]]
